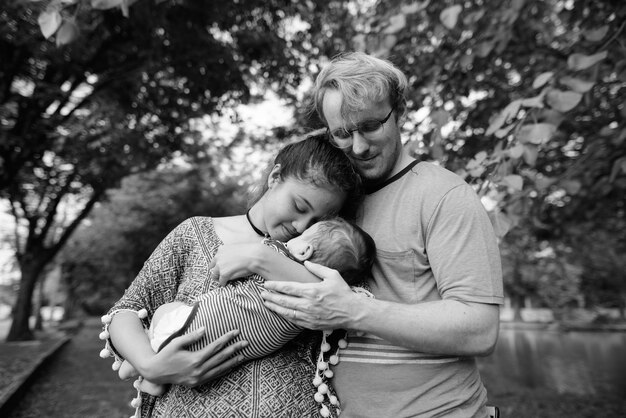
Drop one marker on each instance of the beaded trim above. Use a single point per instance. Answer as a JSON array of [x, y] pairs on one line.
[[325, 359], [323, 372], [109, 351]]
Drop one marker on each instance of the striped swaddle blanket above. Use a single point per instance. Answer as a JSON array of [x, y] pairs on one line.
[[239, 306]]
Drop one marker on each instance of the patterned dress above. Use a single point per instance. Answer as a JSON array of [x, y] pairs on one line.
[[278, 385]]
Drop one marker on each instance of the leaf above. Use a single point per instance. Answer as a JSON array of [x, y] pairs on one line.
[[551, 116], [466, 61], [106, 4], [572, 187], [542, 79], [516, 151], [481, 156], [507, 113], [578, 62], [619, 166], [450, 15], [563, 101], [476, 171], [542, 182], [514, 182], [440, 117], [49, 22], [501, 133], [418, 6], [484, 48], [501, 223], [576, 84], [596, 35], [530, 154], [473, 17], [396, 24], [67, 33], [536, 102], [536, 133]]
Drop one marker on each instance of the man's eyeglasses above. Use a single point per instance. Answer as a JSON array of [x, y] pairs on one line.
[[342, 138]]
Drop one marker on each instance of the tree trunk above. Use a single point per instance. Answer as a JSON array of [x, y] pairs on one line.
[[516, 304], [69, 304], [517, 299], [31, 267], [38, 305]]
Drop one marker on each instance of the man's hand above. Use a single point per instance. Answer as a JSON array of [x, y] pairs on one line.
[[177, 365], [329, 304]]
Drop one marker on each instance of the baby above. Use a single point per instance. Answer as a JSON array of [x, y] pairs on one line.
[[335, 243]]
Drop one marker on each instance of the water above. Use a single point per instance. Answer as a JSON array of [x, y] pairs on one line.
[[577, 363]]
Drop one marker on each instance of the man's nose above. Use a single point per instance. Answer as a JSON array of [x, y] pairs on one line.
[[359, 144]]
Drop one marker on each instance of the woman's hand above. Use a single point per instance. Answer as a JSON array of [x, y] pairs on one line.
[[233, 261], [330, 304], [175, 364]]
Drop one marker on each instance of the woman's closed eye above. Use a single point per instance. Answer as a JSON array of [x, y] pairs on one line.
[[299, 208]]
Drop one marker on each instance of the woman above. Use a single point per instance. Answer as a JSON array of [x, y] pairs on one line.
[[310, 180]]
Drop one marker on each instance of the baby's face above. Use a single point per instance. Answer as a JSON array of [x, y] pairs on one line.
[[300, 246]]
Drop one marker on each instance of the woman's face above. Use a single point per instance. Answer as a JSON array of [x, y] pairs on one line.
[[290, 206]]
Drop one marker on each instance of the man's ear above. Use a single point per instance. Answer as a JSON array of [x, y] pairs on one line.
[[275, 176]]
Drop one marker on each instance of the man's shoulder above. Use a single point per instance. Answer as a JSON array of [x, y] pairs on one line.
[[436, 177]]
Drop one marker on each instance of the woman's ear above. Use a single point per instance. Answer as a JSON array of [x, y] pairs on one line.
[[274, 177]]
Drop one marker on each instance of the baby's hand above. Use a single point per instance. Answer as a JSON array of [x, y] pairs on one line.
[[127, 371], [151, 388]]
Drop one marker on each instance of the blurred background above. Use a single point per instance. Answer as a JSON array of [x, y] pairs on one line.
[[121, 118]]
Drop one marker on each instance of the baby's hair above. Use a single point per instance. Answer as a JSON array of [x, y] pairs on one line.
[[345, 247], [314, 160]]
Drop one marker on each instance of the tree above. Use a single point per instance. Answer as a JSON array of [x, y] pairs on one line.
[[523, 98], [106, 253], [77, 117]]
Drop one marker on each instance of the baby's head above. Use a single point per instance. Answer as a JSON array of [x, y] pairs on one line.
[[337, 244]]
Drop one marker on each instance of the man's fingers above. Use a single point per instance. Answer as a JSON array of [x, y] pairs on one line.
[[319, 270], [287, 288]]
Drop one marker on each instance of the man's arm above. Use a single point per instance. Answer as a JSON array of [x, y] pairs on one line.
[[449, 327]]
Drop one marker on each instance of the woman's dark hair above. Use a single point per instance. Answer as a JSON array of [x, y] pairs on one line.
[[314, 160]]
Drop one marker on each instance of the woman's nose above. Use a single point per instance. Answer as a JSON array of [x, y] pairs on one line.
[[302, 224]]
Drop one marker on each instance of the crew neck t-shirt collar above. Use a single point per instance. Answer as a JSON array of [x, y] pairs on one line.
[[376, 187]]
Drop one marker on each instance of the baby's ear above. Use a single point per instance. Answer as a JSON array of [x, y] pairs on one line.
[[305, 253]]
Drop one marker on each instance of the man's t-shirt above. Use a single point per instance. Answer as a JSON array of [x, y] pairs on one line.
[[434, 241]]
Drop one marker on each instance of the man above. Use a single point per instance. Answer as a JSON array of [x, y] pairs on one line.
[[437, 278]]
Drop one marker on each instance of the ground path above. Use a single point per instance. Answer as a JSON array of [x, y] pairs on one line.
[[76, 382]]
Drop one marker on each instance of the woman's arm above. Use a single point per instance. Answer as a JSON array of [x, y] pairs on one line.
[[156, 284], [174, 364], [239, 260]]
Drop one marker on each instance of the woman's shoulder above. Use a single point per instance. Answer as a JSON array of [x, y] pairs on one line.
[[198, 226]]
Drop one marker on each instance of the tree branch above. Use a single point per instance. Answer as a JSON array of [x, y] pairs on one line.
[[55, 248], [53, 205]]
